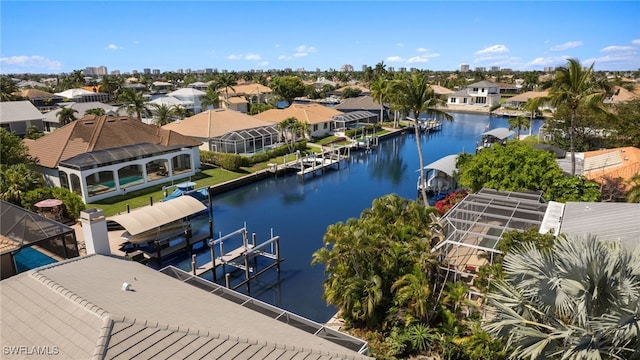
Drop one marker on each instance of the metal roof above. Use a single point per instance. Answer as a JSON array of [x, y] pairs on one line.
[[13, 111], [611, 222], [80, 307], [354, 116], [151, 217], [499, 133], [122, 153], [446, 164]]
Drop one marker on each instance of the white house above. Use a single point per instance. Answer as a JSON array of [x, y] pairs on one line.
[[483, 93], [189, 94], [99, 157]]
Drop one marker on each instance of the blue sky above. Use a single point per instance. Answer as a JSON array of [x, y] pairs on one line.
[[54, 37]]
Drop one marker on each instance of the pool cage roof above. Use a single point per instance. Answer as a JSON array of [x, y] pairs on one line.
[[354, 116], [480, 219], [265, 309], [114, 155], [21, 228], [249, 134]]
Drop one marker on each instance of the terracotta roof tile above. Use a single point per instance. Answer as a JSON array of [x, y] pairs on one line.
[[98, 133], [216, 122], [309, 113]]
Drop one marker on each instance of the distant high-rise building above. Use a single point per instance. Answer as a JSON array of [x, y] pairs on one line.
[[89, 71], [391, 69], [346, 67], [402, 69], [506, 70], [364, 68], [179, 71], [146, 71], [464, 67], [115, 72], [413, 69], [548, 69], [481, 69], [187, 71], [134, 72], [155, 71], [495, 68]]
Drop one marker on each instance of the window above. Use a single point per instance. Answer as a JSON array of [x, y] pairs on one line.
[[64, 179], [157, 169], [325, 125], [181, 164], [453, 100], [130, 175], [315, 127]]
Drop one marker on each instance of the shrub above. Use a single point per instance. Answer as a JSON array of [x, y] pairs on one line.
[[447, 203]]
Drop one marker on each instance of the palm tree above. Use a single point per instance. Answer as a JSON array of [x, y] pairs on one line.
[[578, 300], [133, 103], [414, 290], [633, 195], [533, 106], [95, 111], [415, 96], [226, 82], [7, 88], [573, 86], [16, 180], [211, 98], [163, 114], [66, 115], [518, 122], [181, 112], [379, 93]]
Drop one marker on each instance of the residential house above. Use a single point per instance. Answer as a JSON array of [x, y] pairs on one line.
[[103, 307], [170, 101], [228, 131], [363, 90], [99, 157], [441, 91], [240, 97], [161, 86], [82, 95], [519, 100], [319, 117], [612, 167], [199, 85], [189, 94], [483, 93], [364, 103], [18, 116], [51, 117], [40, 99], [622, 95]]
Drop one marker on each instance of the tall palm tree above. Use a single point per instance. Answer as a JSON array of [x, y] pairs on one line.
[[162, 114], [7, 88], [133, 103], [578, 300], [181, 112], [533, 106], [415, 96], [379, 93], [226, 81], [518, 123], [211, 98], [66, 115], [574, 87]]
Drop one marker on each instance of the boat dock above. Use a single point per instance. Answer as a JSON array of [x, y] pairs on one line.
[[314, 163], [241, 257], [429, 125]]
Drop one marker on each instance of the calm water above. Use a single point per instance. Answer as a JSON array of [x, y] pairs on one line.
[[299, 211]]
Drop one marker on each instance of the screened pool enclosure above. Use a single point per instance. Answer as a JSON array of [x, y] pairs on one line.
[[246, 141]]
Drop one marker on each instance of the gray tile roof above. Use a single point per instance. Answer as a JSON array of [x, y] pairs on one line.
[[14, 111], [359, 103], [79, 307]]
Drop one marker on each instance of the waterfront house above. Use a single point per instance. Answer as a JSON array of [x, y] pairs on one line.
[[170, 101], [51, 117], [364, 103], [482, 93], [18, 116], [319, 117], [40, 99], [82, 95], [189, 95], [99, 157], [228, 131], [610, 167], [518, 101], [103, 307], [240, 97]]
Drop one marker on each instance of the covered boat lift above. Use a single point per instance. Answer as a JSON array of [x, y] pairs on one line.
[[439, 174], [497, 135]]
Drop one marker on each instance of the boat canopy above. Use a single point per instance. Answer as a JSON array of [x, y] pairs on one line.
[[151, 217], [446, 164], [499, 133]]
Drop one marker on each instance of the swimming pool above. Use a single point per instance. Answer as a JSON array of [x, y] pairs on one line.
[[28, 258]]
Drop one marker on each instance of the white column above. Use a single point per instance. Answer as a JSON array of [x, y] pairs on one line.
[[94, 230]]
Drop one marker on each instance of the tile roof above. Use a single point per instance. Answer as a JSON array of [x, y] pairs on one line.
[[80, 307], [98, 133], [441, 90], [360, 103], [35, 94], [52, 116], [14, 111], [214, 123], [309, 113], [528, 95], [612, 163], [248, 89], [187, 92]]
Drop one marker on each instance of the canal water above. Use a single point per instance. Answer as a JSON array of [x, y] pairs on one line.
[[300, 210]]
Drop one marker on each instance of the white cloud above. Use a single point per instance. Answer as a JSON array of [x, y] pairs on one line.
[[235, 57], [635, 41], [304, 50], [395, 59], [417, 59], [284, 57], [252, 57], [113, 47], [566, 46], [495, 49], [263, 63], [617, 48], [34, 61], [422, 50]]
